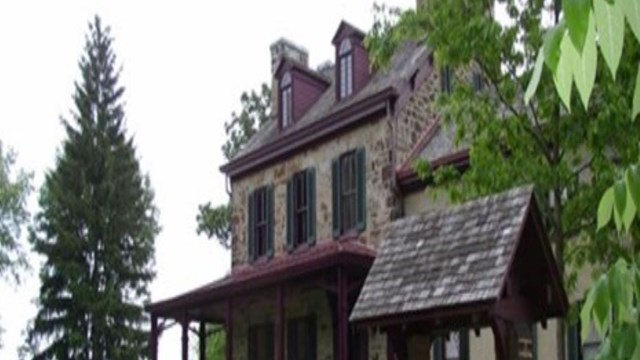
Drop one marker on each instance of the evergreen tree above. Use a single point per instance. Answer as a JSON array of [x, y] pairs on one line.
[[96, 227]]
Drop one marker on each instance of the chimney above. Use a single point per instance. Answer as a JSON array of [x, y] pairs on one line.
[[283, 48]]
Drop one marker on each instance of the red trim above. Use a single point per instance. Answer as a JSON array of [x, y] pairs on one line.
[[326, 254], [287, 64], [350, 30], [288, 144], [408, 180]]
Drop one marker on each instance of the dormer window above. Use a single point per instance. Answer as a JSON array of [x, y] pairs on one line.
[[286, 114], [345, 58]]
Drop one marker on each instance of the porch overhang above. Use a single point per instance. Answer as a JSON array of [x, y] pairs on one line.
[[484, 263], [207, 303]]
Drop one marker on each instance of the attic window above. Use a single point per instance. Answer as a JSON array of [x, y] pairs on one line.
[[286, 107], [345, 56]]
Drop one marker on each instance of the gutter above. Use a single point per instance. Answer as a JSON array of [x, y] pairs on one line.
[[283, 147]]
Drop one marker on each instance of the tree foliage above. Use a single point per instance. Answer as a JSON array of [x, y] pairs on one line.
[[96, 227], [611, 305], [570, 156], [214, 221], [14, 190]]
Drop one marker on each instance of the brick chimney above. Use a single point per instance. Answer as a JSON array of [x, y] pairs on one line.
[[283, 48]]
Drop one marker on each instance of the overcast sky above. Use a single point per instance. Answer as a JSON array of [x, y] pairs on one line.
[[185, 64]]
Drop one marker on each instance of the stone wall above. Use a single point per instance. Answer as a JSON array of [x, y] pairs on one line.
[[380, 199], [300, 301], [418, 113]]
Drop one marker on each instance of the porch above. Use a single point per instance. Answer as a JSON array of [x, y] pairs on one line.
[[259, 304]]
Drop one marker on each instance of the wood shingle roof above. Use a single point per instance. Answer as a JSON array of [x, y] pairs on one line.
[[445, 258]]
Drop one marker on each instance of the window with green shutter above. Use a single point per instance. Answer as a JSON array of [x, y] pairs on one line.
[[302, 341], [301, 209], [349, 192], [260, 233]]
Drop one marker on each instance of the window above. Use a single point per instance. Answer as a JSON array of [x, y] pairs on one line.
[[349, 199], [286, 103], [348, 190], [446, 81], [453, 347], [578, 350], [301, 339], [345, 55], [261, 342], [261, 223], [301, 209], [525, 340]]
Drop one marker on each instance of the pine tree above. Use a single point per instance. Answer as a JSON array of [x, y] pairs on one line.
[[96, 227]]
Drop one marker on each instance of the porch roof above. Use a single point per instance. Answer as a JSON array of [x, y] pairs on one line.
[[306, 261], [461, 260]]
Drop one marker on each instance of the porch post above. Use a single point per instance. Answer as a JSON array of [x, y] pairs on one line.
[[343, 316], [228, 322], [280, 326], [154, 337], [202, 335], [185, 339], [500, 338]]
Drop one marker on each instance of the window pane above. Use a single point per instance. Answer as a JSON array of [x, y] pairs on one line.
[[348, 191], [452, 346]]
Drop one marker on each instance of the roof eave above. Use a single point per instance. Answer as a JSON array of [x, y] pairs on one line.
[[282, 147]]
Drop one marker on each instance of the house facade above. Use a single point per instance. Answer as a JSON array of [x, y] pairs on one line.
[[314, 194]]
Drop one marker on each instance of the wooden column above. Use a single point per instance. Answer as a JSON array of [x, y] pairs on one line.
[[501, 338], [343, 315], [280, 324], [228, 327], [185, 339], [202, 339], [154, 337]]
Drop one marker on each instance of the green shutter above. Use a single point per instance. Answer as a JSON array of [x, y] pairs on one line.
[[270, 225], [250, 229], [292, 335], [437, 349], [290, 214], [311, 206], [573, 342], [464, 344], [335, 191], [361, 197]]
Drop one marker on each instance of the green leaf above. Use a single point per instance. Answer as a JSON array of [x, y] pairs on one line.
[[605, 208], [629, 213], [619, 197], [551, 46], [576, 14], [601, 305], [585, 314], [535, 77], [610, 24], [632, 179], [631, 10], [584, 66], [563, 76], [636, 97]]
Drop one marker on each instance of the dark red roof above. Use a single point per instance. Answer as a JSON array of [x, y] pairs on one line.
[[325, 254]]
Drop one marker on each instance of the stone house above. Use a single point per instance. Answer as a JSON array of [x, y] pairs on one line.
[[326, 208]]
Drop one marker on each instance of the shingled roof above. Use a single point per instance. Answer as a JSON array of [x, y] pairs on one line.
[[392, 81], [445, 258]]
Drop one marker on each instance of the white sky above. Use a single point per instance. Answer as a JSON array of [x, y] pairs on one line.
[[185, 64]]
